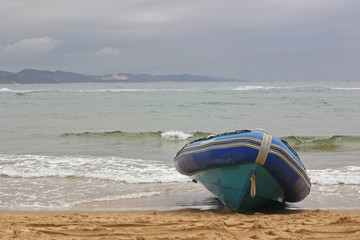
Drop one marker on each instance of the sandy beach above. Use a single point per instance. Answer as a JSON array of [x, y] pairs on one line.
[[183, 224]]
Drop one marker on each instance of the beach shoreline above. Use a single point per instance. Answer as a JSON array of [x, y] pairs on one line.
[[181, 224]]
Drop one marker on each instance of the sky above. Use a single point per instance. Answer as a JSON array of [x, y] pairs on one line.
[[257, 40]]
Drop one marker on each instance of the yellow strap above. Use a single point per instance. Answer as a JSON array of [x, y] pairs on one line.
[[264, 149], [253, 186]]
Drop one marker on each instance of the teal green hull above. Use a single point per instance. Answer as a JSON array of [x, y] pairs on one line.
[[235, 189]]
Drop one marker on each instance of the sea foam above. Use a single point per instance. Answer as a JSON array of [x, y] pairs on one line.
[[250, 88], [175, 135], [8, 90], [349, 175], [126, 170]]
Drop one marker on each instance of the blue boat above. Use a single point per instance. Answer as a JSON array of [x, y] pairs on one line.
[[245, 169]]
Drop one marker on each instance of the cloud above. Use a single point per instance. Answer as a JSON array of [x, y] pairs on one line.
[[108, 51], [30, 46], [257, 40]]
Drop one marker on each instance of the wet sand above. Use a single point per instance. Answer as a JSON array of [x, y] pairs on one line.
[[181, 224]]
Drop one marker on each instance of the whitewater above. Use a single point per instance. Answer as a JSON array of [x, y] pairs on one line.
[[111, 146]]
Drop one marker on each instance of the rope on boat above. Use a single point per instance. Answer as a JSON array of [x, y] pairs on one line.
[[259, 130], [253, 186], [264, 149]]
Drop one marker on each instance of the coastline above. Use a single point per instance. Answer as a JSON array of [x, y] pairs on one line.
[[181, 224]]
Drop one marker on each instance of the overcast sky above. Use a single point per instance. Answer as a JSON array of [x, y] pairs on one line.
[[257, 40]]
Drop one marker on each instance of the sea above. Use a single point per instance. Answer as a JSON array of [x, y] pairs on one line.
[[111, 146]]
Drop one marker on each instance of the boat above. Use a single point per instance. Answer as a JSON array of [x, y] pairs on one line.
[[245, 169]]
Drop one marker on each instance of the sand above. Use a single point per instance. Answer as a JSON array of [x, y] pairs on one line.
[[184, 224]]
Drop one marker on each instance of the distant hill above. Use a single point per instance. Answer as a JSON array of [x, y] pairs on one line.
[[28, 76], [38, 76], [4, 74]]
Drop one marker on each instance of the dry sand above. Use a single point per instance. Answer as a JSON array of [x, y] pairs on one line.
[[185, 224]]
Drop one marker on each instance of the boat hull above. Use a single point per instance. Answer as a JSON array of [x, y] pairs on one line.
[[226, 163], [232, 185]]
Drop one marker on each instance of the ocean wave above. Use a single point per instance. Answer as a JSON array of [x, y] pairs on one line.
[[185, 89], [41, 201], [176, 135], [218, 103], [137, 90], [295, 88], [336, 143], [247, 88], [125, 170], [136, 195], [109, 90], [172, 135], [131, 171], [339, 88], [251, 88], [8, 90], [60, 203], [349, 175]]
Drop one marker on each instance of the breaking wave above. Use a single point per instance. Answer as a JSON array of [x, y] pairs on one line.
[[250, 88], [8, 90], [336, 143], [126, 170], [349, 175], [132, 171], [339, 88], [172, 135]]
